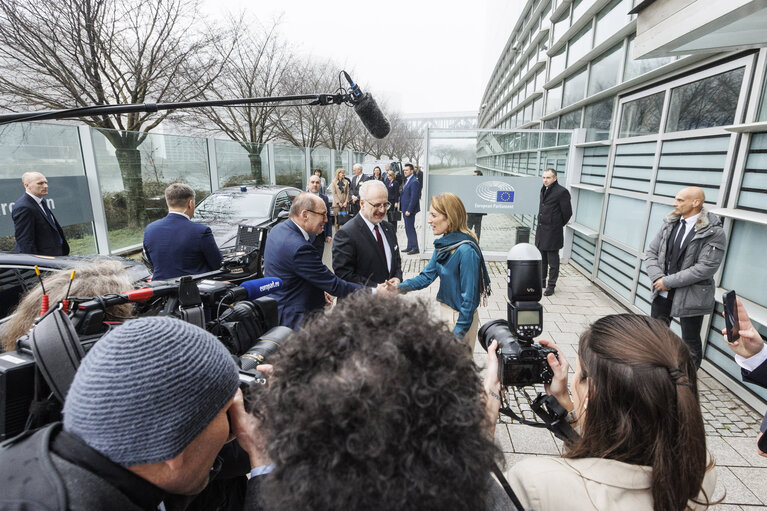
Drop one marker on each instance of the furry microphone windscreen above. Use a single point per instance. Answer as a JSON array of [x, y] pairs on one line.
[[372, 117]]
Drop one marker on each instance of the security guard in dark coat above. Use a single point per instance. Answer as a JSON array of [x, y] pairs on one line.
[[554, 211]]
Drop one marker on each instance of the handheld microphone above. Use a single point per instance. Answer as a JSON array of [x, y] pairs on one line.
[[252, 289], [367, 110]]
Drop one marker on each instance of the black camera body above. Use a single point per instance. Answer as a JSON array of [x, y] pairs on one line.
[[521, 362]]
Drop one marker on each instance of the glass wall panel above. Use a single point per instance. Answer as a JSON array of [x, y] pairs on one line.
[[594, 165], [705, 103], [744, 269], [580, 7], [658, 212], [763, 108], [133, 181], [616, 269], [693, 160], [634, 68], [570, 121], [290, 166], [624, 219], [583, 251], [558, 62], [53, 150], [597, 120], [610, 19], [753, 192], [575, 88], [589, 211], [561, 25], [643, 298], [579, 45], [604, 70], [241, 163], [642, 116], [632, 168], [320, 159], [554, 99]]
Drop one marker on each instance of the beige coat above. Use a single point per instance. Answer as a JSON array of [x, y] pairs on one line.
[[556, 484], [338, 197]]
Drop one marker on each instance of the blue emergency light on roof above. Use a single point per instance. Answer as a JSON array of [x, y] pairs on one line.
[[243, 188]]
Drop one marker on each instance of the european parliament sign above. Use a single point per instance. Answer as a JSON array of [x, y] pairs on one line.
[[67, 197], [491, 194]]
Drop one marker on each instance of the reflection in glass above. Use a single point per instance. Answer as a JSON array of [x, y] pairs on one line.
[[290, 166], [604, 70], [241, 163], [53, 149], [597, 120], [624, 218], [613, 17], [554, 99], [638, 67], [642, 116], [558, 62], [561, 25], [705, 103], [320, 159], [589, 211], [570, 120], [763, 108], [579, 45], [575, 88], [658, 213], [748, 244]]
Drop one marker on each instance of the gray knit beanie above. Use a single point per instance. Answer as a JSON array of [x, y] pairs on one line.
[[148, 388]]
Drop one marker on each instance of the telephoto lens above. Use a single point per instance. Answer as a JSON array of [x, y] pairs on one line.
[[264, 347]]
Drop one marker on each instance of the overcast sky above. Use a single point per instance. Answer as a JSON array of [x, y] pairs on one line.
[[421, 55]]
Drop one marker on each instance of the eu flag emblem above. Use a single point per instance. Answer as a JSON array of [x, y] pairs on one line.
[[504, 196]]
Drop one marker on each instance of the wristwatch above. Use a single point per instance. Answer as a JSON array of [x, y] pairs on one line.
[[571, 417]]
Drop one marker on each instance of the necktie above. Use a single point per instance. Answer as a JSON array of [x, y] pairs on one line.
[[379, 239], [677, 247], [49, 215]]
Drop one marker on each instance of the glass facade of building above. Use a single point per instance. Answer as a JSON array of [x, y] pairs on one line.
[[645, 129], [126, 186]]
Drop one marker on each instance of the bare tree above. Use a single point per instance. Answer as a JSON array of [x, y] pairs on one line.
[[300, 125], [257, 67], [61, 54]]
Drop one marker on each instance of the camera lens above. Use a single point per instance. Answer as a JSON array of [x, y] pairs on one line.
[[264, 347], [497, 329]]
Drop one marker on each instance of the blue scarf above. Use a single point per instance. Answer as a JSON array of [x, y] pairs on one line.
[[449, 242]]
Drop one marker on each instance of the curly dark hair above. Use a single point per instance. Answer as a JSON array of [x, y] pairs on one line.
[[376, 406]]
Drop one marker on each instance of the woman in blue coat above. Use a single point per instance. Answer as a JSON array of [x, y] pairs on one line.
[[458, 262]]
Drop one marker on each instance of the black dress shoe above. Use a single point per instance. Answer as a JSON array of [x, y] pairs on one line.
[[549, 291], [413, 252], [406, 250]]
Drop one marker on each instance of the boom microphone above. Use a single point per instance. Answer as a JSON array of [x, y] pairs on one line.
[[367, 110], [252, 289]]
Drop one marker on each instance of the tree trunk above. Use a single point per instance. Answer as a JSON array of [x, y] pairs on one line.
[[129, 161], [255, 166]]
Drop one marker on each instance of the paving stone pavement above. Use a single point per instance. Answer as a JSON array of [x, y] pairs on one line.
[[731, 425]]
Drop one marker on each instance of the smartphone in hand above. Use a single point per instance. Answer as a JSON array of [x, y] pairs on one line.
[[731, 322]]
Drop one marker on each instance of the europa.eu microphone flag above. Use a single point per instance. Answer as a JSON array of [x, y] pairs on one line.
[[504, 196]]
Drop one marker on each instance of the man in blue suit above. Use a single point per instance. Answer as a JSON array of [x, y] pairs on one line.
[[326, 236], [36, 229], [307, 284], [176, 246], [409, 204]]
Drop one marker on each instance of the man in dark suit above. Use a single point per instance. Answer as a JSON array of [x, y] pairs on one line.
[[554, 211], [365, 250], [410, 205], [307, 284], [319, 241], [751, 355], [357, 179], [36, 229], [176, 246]]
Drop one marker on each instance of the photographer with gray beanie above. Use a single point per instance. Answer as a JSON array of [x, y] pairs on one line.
[[144, 421]]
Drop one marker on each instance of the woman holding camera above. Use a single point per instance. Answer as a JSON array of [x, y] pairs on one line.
[[635, 404], [458, 262]]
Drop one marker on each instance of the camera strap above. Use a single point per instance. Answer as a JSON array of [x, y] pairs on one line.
[[551, 413], [507, 488]]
